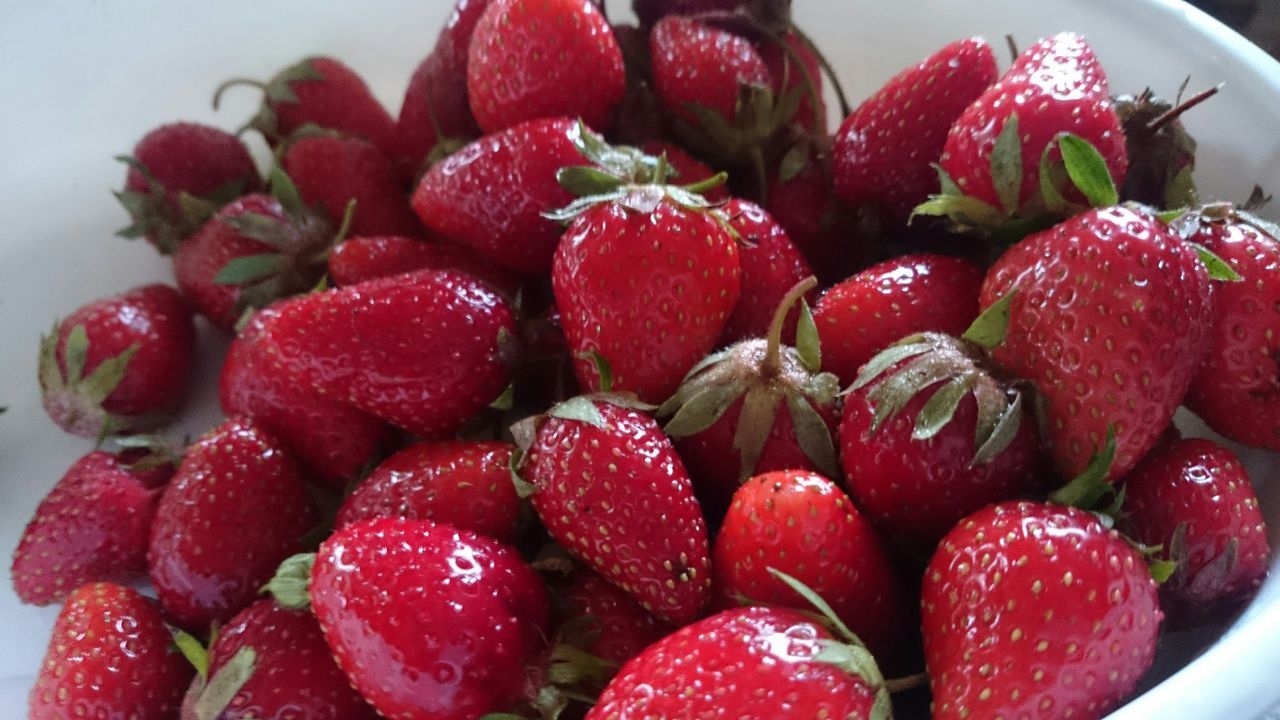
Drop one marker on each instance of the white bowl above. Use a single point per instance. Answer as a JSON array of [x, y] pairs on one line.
[[82, 82]]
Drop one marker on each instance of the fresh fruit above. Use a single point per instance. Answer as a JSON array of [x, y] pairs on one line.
[[358, 259], [93, 526], [179, 175], [771, 265], [428, 621], [615, 626], [110, 654], [1194, 499], [610, 489], [698, 67], [931, 433], [532, 59], [887, 302], [234, 510], [120, 364], [1034, 610], [423, 351], [1108, 316], [463, 484]]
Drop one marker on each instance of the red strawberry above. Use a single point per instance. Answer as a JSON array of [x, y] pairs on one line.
[[235, 509], [771, 265], [269, 662], [358, 259], [464, 484], [179, 175], [884, 151], [532, 59], [697, 66], [651, 11], [778, 520], [111, 655], [119, 364], [931, 434], [1237, 388], [1194, 498], [802, 201], [423, 351], [618, 626], [609, 488], [428, 621], [1064, 63], [884, 303], [92, 526], [1034, 610], [1108, 316], [332, 441], [332, 171], [689, 170]]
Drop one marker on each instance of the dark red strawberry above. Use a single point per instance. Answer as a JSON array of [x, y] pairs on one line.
[[120, 364], [464, 484], [778, 520], [358, 259], [617, 627], [651, 11], [110, 654], [884, 303], [1037, 611], [885, 151], [332, 441], [801, 200], [771, 266], [532, 59], [428, 621], [269, 662], [931, 434], [179, 175], [697, 69], [688, 169], [234, 510], [1194, 498], [93, 526], [1108, 315], [610, 489]]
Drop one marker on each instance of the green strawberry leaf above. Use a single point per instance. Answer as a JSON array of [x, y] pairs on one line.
[[1090, 487], [808, 344], [225, 684], [580, 409], [1162, 570], [106, 377], [1006, 165], [941, 407], [582, 180], [989, 330], [793, 162], [755, 422], [286, 192], [1218, 268], [193, 651], [291, 584], [703, 410], [506, 400], [813, 435], [1088, 171], [248, 269], [1054, 202], [74, 352]]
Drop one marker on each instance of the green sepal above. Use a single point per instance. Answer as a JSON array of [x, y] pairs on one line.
[[1090, 487], [702, 410], [808, 343], [74, 353], [1162, 570], [291, 584], [192, 650], [1088, 170], [248, 269], [755, 422], [941, 407], [812, 435], [581, 409], [223, 687], [1006, 165], [1218, 268], [989, 329], [524, 488], [506, 400]]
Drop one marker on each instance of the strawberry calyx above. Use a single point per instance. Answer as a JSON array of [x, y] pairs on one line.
[[1162, 154], [209, 695], [75, 397], [291, 585], [277, 90], [152, 215]]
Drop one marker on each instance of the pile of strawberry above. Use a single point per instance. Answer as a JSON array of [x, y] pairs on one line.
[[533, 413]]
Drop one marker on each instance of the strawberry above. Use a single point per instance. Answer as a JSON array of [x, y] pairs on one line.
[[885, 150], [464, 484], [931, 434], [1034, 610], [234, 510], [800, 198], [1236, 389], [1108, 316], [110, 654], [428, 621], [532, 59], [609, 488], [423, 351], [771, 265], [886, 302], [92, 526], [331, 441], [269, 662], [331, 171], [617, 627], [1194, 498], [651, 11], [179, 175], [777, 519], [358, 259], [120, 364], [698, 68]]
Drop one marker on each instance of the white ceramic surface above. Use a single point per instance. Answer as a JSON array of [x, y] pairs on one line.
[[81, 80]]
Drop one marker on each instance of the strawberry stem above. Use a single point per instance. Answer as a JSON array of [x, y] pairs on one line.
[[217, 94], [1174, 113], [845, 108], [897, 685], [702, 186], [1013, 46], [772, 362]]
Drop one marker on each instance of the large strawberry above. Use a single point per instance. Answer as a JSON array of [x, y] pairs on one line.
[[422, 351], [532, 59], [1108, 316], [771, 265], [234, 510], [358, 259], [118, 364], [1034, 610], [110, 654]]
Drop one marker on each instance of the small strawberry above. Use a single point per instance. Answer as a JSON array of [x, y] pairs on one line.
[[771, 265], [179, 175], [333, 442], [93, 526], [801, 199], [611, 490], [464, 484], [532, 59], [111, 655], [877, 307], [1194, 498], [234, 510], [120, 364], [423, 351], [615, 626], [428, 621], [1034, 610], [1108, 315], [358, 259]]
